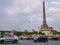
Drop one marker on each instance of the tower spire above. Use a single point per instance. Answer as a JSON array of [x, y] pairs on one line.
[[44, 16]]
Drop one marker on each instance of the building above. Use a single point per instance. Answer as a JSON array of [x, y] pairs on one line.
[[44, 27], [6, 32]]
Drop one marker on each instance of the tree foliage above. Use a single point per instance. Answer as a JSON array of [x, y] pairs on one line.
[[55, 32]]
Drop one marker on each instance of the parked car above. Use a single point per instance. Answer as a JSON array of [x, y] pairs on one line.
[[29, 38], [41, 39], [22, 37], [55, 38], [13, 39]]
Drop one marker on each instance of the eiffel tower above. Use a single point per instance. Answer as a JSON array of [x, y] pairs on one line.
[[44, 27]]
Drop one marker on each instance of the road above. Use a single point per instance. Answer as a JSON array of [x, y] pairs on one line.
[[30, 42]]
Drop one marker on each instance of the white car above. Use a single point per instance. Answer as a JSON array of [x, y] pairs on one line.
[[22, 37], [13, 39]]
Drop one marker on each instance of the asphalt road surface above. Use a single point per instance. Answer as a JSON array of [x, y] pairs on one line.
[[30, 42]]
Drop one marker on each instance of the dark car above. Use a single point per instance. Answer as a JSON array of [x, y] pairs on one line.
[[41, 39], [55, 38]]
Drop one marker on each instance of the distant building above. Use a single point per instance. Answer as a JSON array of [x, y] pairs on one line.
[[7, 32], [44, 27]]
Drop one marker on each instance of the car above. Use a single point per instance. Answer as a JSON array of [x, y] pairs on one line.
[[41, 39], [55, 38], [22, 37], [13, 39], [29, 38]]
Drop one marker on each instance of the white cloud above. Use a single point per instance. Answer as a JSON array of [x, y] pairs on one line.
[[31, 18], [55, 2], [19, 11], [53, 9], [27, 10], [12, 10], [34, 17], [22, 6], [50, 20]]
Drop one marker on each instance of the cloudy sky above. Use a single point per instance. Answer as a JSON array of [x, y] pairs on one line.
[[27, 14]]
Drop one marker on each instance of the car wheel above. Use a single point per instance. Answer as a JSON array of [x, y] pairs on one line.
[[15, 41], [2, 41], [35, 40]]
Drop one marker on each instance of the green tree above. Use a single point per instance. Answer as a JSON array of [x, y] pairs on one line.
[[54, 31], [26, 32]]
